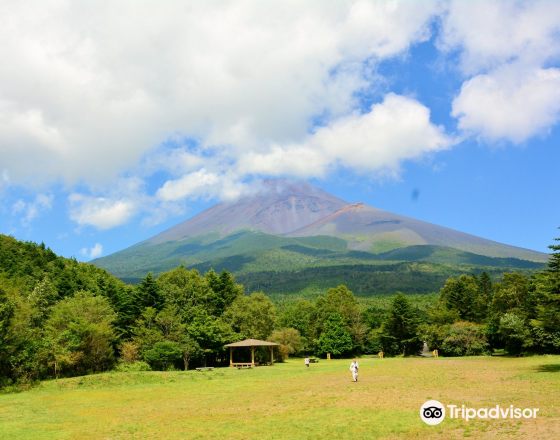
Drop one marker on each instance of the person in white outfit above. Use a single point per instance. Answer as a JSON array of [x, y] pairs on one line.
[[307, 362], [354, 369]]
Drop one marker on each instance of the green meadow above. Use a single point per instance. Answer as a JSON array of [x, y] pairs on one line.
[[287, 402]]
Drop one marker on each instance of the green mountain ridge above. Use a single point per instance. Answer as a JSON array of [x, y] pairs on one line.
[[280, 265], [289, 227]]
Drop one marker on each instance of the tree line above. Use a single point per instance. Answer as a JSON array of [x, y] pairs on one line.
[[520, 314], [60, 317]]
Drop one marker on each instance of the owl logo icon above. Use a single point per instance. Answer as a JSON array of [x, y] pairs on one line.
[[432, 412]]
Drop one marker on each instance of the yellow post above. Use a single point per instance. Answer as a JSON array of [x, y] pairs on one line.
[[329, 356], [252, 355]]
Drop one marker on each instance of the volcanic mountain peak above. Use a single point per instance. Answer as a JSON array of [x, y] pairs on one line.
[[275, 207], [283, 224]]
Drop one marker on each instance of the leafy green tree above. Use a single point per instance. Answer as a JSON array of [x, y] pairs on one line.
[[42, 298], [513, 328], [188, 290], [7, 311], [146, 332], [402, 325], [439, 320], [163, 355], [439, 314], [7, 307], [207, 332], [342, 301], [252, 316], [339, 300], [80, 334], [290, 341], [335, 339], [189, 350], [167, 326], [300, 317], [511, 293], [464, 339]]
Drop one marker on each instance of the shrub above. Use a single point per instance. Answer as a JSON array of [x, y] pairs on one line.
[[465, 339], [163, 355], [129, 352], [134, 366], [290, 341]]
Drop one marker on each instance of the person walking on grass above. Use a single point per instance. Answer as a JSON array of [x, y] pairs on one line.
[[307, 362], [354, 369]]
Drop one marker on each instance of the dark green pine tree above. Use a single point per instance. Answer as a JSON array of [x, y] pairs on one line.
[[548, 293], [65, 285], [335, 338], [213, 280], [485, 284], [461, 295], [148, 293], [485, 295], [229, 290], [7, 310], [402, 325], [554, 262], [125, 303]]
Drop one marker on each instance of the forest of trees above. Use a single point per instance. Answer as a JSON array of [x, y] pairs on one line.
[[60, 317]]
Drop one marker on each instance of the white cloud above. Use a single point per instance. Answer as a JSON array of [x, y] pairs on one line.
[[100, 212], [42, 203], [190, 185], [18, 207], [490, 34], [506, 47], [377, 142], [94, 91], [87, 88], [508, 103], [93, 252], [96, 251]]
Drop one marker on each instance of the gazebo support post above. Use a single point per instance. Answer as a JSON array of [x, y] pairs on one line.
[[231, 349], [253, 355], [271, 355]]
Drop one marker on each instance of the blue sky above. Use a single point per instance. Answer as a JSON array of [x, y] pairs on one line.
[[119, 120]]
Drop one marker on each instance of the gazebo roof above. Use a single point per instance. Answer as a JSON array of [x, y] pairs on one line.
[[250, 343]]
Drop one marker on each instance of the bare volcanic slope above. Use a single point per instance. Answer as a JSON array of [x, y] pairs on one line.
[[278, 208], [370, 229]]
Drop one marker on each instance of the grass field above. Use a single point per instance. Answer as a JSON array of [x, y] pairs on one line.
[[287, 402]]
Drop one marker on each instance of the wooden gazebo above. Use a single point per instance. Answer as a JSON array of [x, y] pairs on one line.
[[251, 343]]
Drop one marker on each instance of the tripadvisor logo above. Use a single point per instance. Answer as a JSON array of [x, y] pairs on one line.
[[433, 412]]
